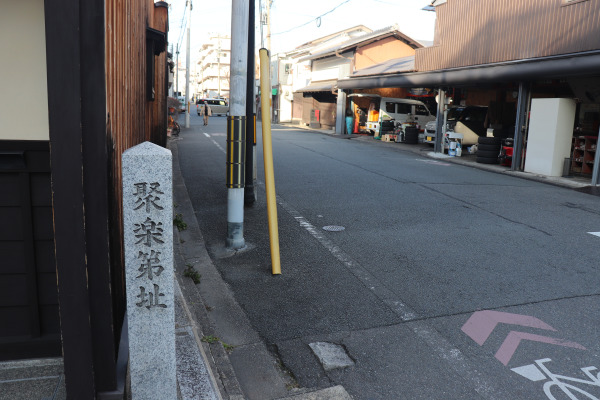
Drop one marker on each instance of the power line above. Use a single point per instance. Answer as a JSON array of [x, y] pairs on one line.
[[183, 26], [318, 19]]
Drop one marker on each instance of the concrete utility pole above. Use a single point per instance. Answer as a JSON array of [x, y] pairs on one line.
[[269, 2], [249, 194], [236, 125], [261, 22], [187, 67], [177, 72], [219, 65]]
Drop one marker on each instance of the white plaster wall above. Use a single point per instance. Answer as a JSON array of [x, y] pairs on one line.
[[328, 68], [23, 85], [550, 135], [285, 104]]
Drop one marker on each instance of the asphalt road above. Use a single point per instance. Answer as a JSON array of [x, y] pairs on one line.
[[445, 281]]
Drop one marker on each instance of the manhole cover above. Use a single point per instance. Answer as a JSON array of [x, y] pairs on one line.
[[333, 228], [331, 356]]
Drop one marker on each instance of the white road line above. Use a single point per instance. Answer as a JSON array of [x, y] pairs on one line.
[[438, 343], [382, 292], [217, 144], [595, 233]]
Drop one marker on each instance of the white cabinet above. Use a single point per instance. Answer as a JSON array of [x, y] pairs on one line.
[[550, 135]]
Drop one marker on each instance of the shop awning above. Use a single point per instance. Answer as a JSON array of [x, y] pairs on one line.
[[319, 86], [554, 67]]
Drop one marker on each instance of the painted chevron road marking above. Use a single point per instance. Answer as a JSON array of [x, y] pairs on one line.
[[595, 233], [481, 324], [512, 341]]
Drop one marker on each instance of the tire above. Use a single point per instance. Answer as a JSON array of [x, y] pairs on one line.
[[411, 136], [489, 147], [489, 140], [486, 160], [387, 124], [488, 154]]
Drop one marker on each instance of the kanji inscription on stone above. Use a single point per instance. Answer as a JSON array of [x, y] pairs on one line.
[[148, 244]]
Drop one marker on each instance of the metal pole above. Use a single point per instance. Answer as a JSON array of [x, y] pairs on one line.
[[596, 170], [439, 129], [236, 125], [518, 143], [265, 99], [249, 194], [187, 67]]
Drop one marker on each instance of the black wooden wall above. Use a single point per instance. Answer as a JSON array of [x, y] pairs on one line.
[[29, 317]]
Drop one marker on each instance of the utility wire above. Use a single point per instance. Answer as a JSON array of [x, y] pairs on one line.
[[183, 26], [314, 19]]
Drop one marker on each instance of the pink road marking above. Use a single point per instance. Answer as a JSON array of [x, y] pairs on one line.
[[512, 341], [482, 323]]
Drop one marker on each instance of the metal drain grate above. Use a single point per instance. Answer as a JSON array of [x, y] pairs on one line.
[[333, 228]]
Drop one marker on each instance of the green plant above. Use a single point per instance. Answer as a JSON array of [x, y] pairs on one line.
[[179, 223], [190, 272], [228, 348], [210, 339], [213, 339]]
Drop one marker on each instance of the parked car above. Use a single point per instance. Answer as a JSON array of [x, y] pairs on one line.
[[466, 120], [182, 105], [400, 110], [217, 106]]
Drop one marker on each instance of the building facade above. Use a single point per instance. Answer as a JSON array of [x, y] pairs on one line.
[[212, 74]]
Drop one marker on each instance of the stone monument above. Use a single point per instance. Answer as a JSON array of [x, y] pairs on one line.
[[148, 237]]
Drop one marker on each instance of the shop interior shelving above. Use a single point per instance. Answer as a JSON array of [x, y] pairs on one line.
[[584, 153]]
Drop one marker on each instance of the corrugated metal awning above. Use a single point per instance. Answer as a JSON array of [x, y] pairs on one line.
[[319, 86], [553, 67], [393, 66]]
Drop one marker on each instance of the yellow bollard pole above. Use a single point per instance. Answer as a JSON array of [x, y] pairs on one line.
[[265, 100]]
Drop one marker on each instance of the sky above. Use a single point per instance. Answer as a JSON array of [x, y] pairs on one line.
[[287, 16]]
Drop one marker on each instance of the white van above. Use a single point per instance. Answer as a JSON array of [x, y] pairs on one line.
[[182, 105], [217, 106], [400, 110]]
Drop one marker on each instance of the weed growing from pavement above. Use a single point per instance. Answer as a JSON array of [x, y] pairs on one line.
[[228, 348], [190, 272], [179, 223], [213, 339], [210, 339]]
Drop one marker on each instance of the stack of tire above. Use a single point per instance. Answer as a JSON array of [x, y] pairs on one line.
[[411, 135], [488, 150], [387, 127]]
